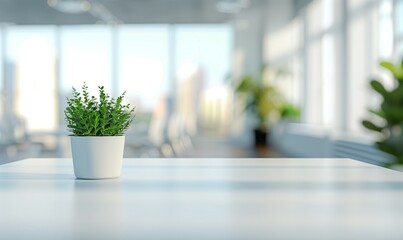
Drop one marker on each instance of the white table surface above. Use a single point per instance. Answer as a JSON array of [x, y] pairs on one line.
[[203, 199]]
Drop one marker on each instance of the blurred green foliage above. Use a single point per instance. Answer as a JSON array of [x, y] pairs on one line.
[[290, 112], [390, 113], [264, 100]]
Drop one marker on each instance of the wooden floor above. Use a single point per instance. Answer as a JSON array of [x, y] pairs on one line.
[[203, 148]]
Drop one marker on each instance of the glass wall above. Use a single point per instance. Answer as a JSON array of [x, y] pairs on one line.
[[30, 60], [85, 56], [1, 56], [147, 61], [284, 50], [195, 45], [342, 43], [143, 64], [201, 66], [1, 71], [399, 28]]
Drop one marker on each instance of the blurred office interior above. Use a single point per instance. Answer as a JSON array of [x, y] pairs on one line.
[[179, 62]]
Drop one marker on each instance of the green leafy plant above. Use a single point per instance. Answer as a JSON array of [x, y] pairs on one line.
[[103, 116], [263, 100], [390, 114], [290, 112]]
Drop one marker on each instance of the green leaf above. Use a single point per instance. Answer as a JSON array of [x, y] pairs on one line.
[[378, 87], [371, 126], [396, 70], [89, 116], [385, 147], [379, 113], [246, 85], [393, 113], [395, 96]]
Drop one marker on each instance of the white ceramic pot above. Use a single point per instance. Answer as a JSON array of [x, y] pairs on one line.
[[97, 157]]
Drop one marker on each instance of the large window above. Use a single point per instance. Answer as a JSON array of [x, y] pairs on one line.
[[359, 52], [2, 96], [370, 31], [202, 62], [206, 48], [143, 64], [1, 70], [322, 35], [283, 51], [30, 58], [147, 61], [399, 28], [399, 18], [341, 47], [86, 54]]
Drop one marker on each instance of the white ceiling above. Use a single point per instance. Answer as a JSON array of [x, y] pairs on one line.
[[126, 11]]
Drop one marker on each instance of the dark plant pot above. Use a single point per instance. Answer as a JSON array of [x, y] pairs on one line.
[[261, 138]]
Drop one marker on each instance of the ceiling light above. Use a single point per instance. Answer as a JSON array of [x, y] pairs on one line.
[[70, 6], [232, 6]]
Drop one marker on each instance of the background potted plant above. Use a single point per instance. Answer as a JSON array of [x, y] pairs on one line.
[[263, 101], [97, 127], [290, 112], [388, 121]]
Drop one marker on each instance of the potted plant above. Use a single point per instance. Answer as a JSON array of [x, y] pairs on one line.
[[263, 101], [97, 127], [290, 112], [388, 123]]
